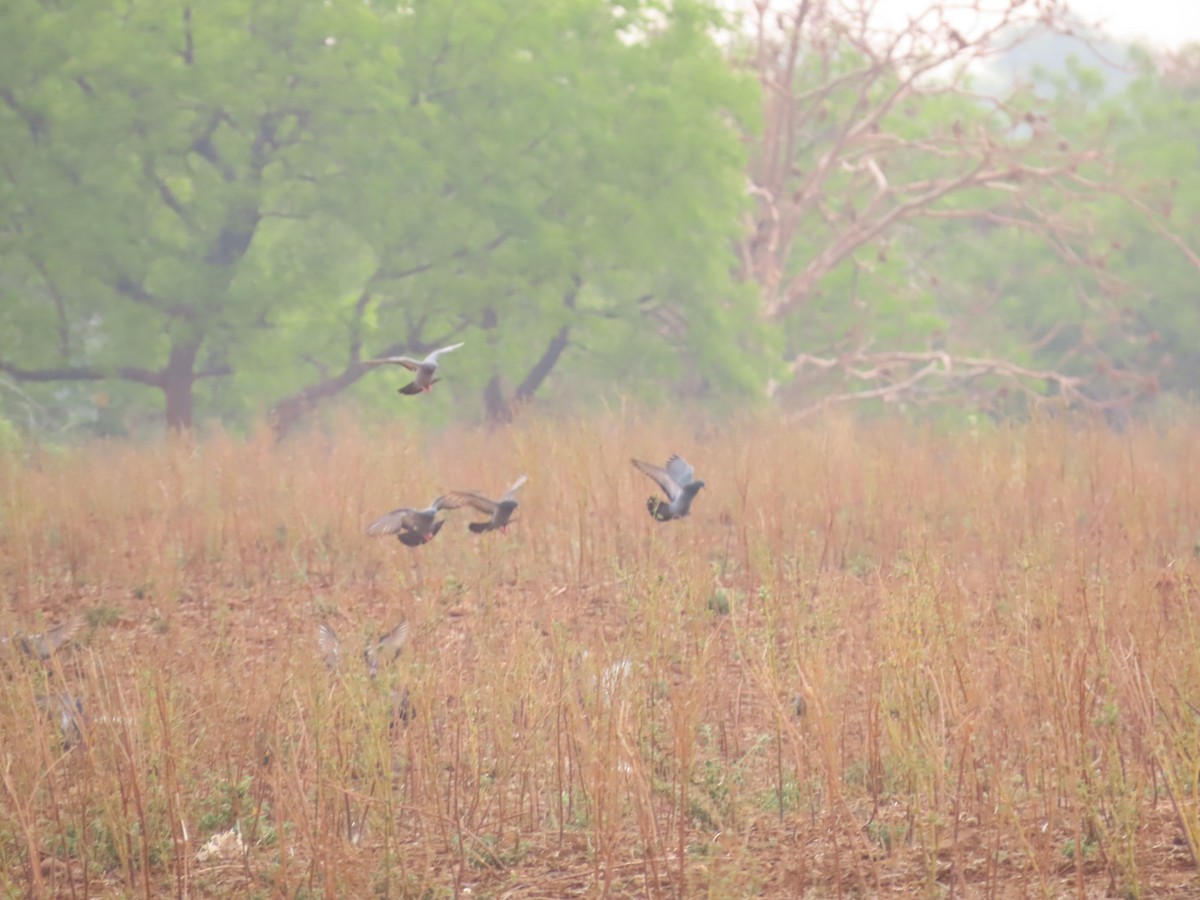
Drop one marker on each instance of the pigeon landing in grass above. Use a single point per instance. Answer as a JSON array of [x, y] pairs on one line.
[[45, 644], [678, 481], [426, 369], [67, 709], [413, 527], [500, 510], [386, 649]]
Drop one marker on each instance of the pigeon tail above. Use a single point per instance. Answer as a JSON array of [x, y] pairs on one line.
[[480, 527], [659, 509]]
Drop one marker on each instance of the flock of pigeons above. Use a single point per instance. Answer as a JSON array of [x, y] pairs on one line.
[[413, 527]]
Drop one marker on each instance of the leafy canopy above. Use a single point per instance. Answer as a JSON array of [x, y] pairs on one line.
[[234, 203]]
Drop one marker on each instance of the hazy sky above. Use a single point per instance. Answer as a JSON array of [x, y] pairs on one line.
[[1168, 23]]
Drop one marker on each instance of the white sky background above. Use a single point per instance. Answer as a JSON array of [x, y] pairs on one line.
[[1165, 23], [1161, 23]]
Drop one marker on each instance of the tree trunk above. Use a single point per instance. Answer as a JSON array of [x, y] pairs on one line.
[[178, 382], [498, 410], [543, 367]]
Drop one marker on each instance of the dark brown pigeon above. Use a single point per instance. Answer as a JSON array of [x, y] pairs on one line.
[[500, 510], [413, 527]]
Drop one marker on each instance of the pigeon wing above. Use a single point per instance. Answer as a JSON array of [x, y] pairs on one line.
[[448, 501], [680, 470], [406, 361], [60, 634], [329, 645], [432, 358], [393, 642], [410, 364], [662, 476], [395, 521], [508, 495], [47, 643], [457, 499]]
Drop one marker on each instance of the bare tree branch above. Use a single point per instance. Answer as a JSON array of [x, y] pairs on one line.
[[936, 376], [845, 158], [167, 195], [817, 136], [60, 307], [83, 373]]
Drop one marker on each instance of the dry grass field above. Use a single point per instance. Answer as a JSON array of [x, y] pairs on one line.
[[875, 661]]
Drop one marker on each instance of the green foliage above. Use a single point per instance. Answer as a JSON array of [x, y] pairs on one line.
[[239, 201]]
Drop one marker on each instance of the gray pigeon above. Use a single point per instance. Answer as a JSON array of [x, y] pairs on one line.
[[46, 643], [413, 527], [678, 481], [68, 710], [426, 369], [329, 645], [500, 510], [386, 648]]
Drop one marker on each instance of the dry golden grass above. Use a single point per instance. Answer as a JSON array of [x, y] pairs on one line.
[[993, 637]]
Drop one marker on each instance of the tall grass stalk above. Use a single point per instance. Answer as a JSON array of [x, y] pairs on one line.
[[877, 659]]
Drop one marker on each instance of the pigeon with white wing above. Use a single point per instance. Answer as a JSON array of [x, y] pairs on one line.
[[426, 369]]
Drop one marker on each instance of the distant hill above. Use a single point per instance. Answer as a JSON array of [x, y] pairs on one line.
[[1055, 53]]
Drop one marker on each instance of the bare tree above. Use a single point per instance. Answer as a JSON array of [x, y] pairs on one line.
[[841, 169]]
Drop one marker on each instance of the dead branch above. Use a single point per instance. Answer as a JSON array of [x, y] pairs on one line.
[[935, 376], [847, 156], [831, 133]]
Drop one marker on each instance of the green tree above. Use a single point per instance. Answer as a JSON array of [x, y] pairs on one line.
[[233, 202], [1153, 128]]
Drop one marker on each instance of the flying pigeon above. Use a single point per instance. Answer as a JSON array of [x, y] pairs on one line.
[[413, 527], [45, 644], [500, 510], [426, 369], [386, 648], [678, 481]]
